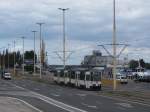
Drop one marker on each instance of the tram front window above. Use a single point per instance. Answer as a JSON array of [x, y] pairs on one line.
[[96, 77]]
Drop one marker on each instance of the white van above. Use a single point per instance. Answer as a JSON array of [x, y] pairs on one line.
[[122, 79]]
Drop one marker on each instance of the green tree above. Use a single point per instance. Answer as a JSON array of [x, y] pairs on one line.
[[133, 64], [30, 55], [142, 63]]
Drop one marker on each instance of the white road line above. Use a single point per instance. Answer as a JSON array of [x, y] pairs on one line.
[[82, 95], [29, 105], [126, 105], [90, 106], [53, 94], [53, 102]]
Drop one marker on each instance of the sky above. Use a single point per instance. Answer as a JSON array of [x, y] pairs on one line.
[[88, 24]]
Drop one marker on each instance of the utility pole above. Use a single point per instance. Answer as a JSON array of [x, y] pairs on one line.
[[14, 58], [114, 45], [34, 33], [40, 24], [0, 60], [64, 35], [3, 59], [8, 56], [23, 54]]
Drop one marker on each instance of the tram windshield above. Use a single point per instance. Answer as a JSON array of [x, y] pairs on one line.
[[96, 76]]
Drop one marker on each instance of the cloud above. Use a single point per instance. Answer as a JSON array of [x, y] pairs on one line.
[[88, 23]]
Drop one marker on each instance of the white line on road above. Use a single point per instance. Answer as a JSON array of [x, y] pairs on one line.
[[53, 102], [90, 106], [82, 95], [53, 94], [29, 105], [126, 105]]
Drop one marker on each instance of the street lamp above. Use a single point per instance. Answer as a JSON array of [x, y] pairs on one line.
[[8, 56], [114, 45], [14, 57], [23, 54], [40, 24], [34, 33], [1, 58], [64, 35]]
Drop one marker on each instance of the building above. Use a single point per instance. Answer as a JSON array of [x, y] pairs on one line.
[[97, 59]]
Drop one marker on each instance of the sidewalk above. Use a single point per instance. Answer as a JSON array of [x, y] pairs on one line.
[[8, 104]]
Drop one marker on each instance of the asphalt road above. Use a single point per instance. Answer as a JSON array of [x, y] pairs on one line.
[[54, 98]]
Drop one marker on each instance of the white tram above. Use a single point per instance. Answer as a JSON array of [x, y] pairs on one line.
[[79, 77]]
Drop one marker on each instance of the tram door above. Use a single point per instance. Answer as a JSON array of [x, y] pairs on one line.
[[58, 76], [66, 77], [77, 75], [87, 79]]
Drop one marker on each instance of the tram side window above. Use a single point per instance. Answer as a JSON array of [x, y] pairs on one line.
[[55, 74], [69, 74], [66, 74], [61, 74], [88, 77], [91, 76], [82, 76], [73, 75]]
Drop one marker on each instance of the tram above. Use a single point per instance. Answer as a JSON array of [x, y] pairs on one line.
[[79, 77]]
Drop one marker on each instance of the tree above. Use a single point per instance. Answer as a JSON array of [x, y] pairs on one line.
[[133, 64], [142, 63], [30, 55]]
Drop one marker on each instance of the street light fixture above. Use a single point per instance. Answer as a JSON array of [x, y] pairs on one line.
[[64, 35], [34, 33], [40, 24]]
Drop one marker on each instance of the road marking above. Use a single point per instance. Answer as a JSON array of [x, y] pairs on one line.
[[29, 105], [55, 94], [118, 99], [82, 95], [126, 105], [53, 102], [108, 97], [90, 106], [129, 101]]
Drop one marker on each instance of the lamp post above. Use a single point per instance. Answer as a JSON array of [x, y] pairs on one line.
[[3, 59], [114, 45], [34, 33], [23, 54], [40, 24], [64, 35], [0, 60], [14, 58], [8, 56]]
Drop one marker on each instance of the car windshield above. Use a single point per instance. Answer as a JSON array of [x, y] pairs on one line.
[[7, 74]]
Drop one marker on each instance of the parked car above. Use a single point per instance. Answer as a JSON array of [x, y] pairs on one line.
[[6, 75], [122, 78]]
